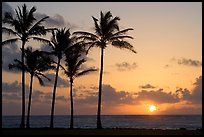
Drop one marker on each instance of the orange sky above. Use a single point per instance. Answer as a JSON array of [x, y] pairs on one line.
[[167, 37]]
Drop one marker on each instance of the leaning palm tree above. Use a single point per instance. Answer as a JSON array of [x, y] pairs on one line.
[[107, 32], [36, 63], [61, 40], [24, 27], [73, 63]]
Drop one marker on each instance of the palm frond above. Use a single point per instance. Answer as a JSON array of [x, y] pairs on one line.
[[41, 74], [123, 45], [37, 28], [112, 25], [121, 32], [86, 38], [18, 65], [97, 28], [41, 39], [120, 37], [40, 80], [9, 31], [15, 66], [9, 41], [79, 63], [83, 33], [85, 72]]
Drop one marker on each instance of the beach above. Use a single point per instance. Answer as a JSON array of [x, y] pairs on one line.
[[108, 131]]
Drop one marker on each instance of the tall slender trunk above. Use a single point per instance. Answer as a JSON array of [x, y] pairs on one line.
[[22, 125], [29, 102], [72, 106], [99, 125], [54, 93]]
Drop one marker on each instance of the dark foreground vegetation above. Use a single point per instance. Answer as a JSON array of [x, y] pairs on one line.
[[108, 131]]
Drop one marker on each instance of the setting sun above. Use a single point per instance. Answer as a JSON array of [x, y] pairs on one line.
[[152, 108]]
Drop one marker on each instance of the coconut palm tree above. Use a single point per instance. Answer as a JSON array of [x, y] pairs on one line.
[[107, 32], [61, 40], [73, 63], [23, 27], [35, 64]]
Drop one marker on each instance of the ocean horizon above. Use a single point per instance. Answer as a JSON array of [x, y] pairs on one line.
[[190, 122]]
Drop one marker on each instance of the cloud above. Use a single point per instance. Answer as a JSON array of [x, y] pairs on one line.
[[196, 95], [11, 87], [55, 21], [147, 86], [86, 98], [60, 82], [190, 110], [189, 62], [125, 66], [6, 8], [158, 96], [7, 51], [12, 92], [109, 96]]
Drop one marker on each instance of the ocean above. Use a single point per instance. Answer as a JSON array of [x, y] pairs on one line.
[[111, 121]]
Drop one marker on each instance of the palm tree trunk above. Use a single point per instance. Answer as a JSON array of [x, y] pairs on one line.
[[99, 125], [29, 102], [72, 106], [22, 125], [54, 93]]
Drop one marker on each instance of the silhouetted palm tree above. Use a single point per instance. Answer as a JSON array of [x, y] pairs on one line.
[[73, 63], [60, 41], [35, 64], [106, 33], [24, 28]]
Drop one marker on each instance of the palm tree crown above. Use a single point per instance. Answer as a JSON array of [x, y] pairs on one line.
[[106, 32], [25, 25]]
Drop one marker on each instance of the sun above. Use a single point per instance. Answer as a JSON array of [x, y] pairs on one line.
[[152, 108]]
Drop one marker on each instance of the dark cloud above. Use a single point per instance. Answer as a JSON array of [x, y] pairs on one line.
[[60, 82], [55, 21], [158, 96], [9, 53], [86, 98], [147, 86], [190, 110], [125, 66], [113, 97], [12, 92], [189, 62], [194, 96], [6, 8], [14, 87], [109, 96]]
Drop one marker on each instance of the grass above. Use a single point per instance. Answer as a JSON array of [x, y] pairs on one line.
[[108, 131]]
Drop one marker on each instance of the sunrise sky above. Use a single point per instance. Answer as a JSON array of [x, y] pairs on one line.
[[166, 72]]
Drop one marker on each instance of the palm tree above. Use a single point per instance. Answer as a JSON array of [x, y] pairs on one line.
[[73, 63], [24, 28], [60, 41], [35, 64], [106, 33]]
